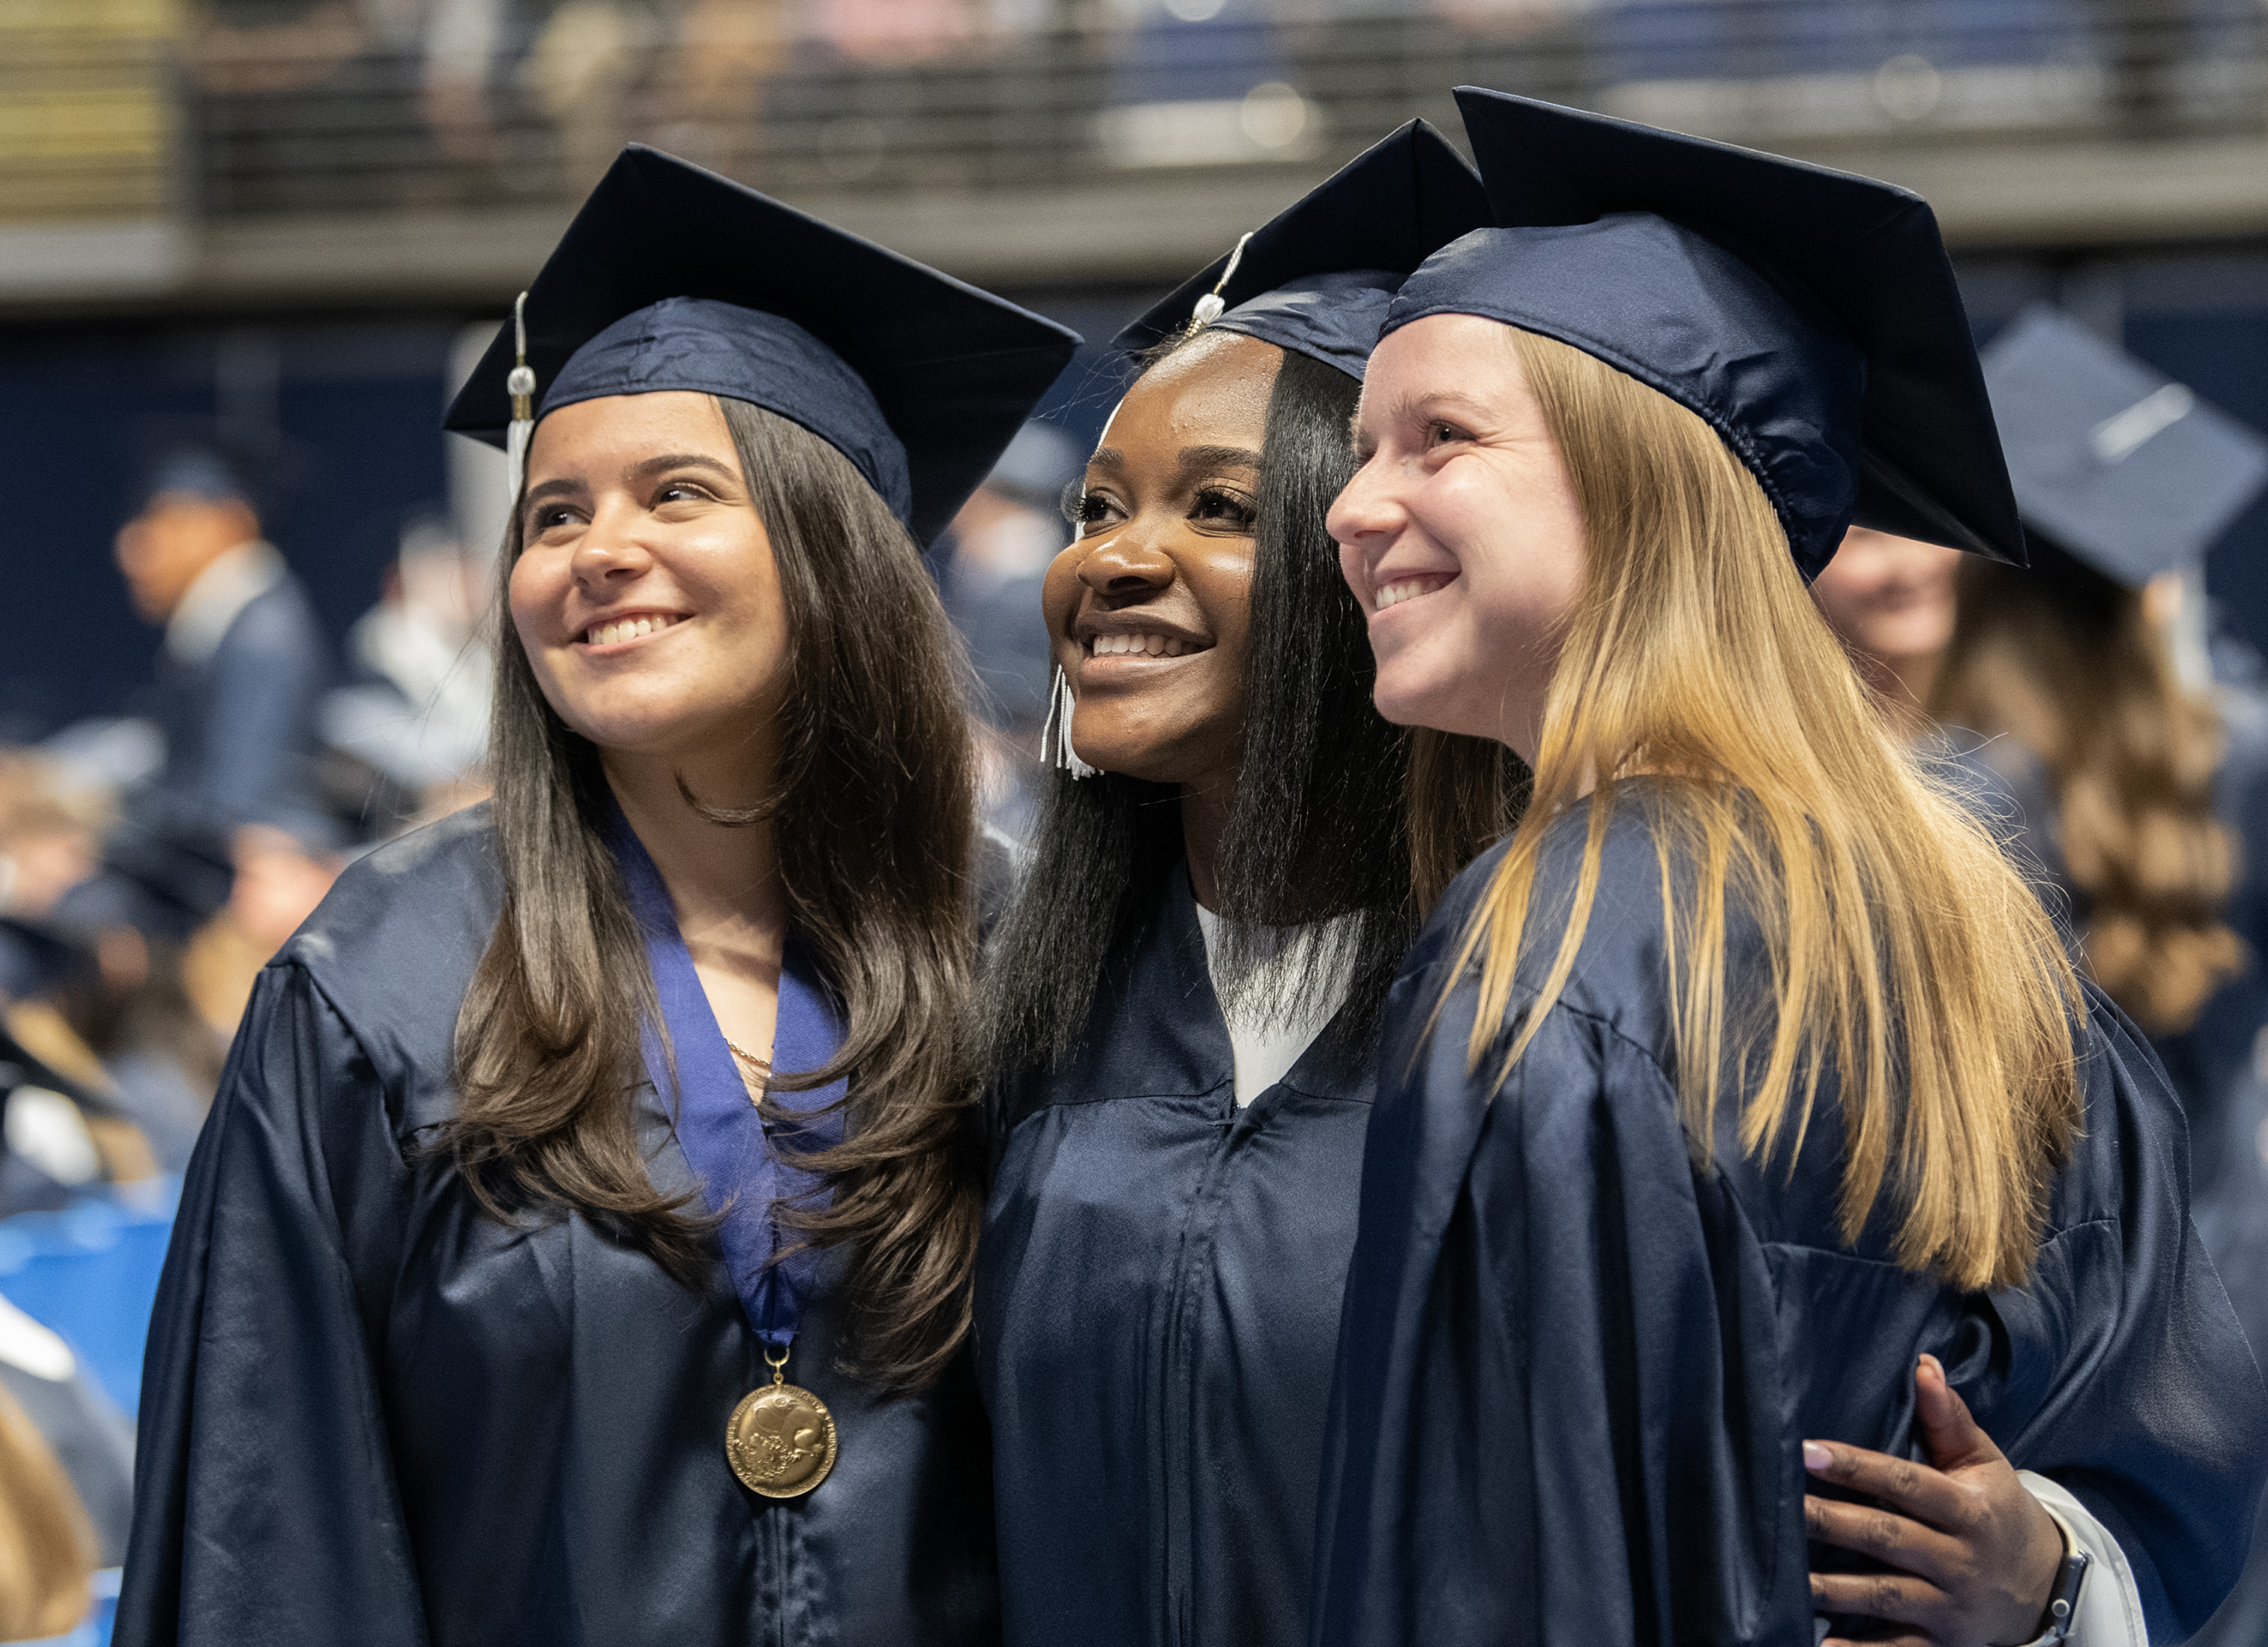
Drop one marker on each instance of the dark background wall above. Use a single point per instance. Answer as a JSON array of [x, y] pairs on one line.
[[341, 416], [349, 407]]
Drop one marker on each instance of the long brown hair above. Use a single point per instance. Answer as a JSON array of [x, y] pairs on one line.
[[2068, 663], [1906, 957], [873, 817]]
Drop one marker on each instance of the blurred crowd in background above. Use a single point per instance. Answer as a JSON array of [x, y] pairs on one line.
[[248, 248]]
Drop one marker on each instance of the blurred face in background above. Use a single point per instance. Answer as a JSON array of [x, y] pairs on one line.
[[1150, 608], [1892, 601], [645, 592], [163, 549]]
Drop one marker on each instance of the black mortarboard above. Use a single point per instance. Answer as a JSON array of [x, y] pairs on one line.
[[1809, 316], [1318, 276], [672, 277], [2114, 462]]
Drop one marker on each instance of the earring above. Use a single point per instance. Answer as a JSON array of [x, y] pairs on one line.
[[1055, 737]]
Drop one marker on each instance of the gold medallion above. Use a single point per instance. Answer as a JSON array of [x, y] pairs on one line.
[[781, 1439]]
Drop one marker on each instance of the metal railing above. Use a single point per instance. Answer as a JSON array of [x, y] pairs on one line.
[[377, 110], [302, 118]]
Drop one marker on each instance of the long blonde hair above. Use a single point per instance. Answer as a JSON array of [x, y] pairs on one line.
[[2072, 666], [1908, 961], [47, 1546]]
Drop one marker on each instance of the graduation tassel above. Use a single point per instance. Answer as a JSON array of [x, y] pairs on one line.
[[1055, 737], [1212, 305], [521, 386]]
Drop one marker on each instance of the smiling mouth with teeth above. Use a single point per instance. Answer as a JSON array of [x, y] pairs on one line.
[[1140, 645], [1407, 588], [630, 628]]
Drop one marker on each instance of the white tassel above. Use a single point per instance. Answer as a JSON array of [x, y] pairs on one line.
[[1212, 305], [521, 387], [1055, 737]]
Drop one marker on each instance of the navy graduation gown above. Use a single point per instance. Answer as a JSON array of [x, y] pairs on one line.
[[1574, 1373], [2209, 1062], [370, 1414], [1157, 1304]]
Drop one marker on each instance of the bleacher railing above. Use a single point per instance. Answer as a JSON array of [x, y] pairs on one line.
[[238, 111]]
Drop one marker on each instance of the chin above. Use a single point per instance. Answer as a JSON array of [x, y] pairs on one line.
[[1409, 702]]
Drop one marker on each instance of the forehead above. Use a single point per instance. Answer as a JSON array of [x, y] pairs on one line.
[[615, 429], [1211, 393], [1446, 365]]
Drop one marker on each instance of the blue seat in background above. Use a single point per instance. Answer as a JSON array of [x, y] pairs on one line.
[[89, 1273]]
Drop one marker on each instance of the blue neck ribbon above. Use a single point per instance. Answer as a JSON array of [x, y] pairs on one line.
[[719, 1127]]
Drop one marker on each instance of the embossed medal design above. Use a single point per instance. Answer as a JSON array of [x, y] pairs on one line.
[[781, 1439]]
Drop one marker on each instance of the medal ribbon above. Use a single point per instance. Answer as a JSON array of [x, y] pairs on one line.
[[718, 1126]]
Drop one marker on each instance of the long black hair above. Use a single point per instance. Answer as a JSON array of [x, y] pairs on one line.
[[1322, 826], [873, 813]]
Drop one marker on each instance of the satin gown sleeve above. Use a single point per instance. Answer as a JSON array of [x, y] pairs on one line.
[[1554, 1396], [1576, 1370], [267, 1510]]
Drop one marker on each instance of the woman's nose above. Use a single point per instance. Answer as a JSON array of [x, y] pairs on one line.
[[1125, 565], [1364, 510], [610, 548]]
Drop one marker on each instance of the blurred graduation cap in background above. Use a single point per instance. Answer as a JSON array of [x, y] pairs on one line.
[[1318, 276], [200, 472], [191, 457], [2113, 462], [673, 278], [1809, 316]]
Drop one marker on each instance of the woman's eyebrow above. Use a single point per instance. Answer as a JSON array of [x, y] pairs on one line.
[[1417, 409], [1197, 459], [552, 489], [683, 460]]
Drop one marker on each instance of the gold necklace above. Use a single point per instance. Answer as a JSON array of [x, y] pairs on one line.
[[747, 1057]]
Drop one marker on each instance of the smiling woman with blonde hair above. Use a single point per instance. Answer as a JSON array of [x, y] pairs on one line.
[[1741, 1116]]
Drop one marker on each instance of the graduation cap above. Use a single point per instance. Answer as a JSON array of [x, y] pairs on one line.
[[1809, 316], [1317, 277], [2122, 467], [672, 277]]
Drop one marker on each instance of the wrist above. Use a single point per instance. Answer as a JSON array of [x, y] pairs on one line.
[[2060, 1614]]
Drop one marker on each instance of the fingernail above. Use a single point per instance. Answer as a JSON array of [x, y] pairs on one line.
[[1816, 1457]]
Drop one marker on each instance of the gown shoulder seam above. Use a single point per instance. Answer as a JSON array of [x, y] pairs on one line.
[[380, 1074]]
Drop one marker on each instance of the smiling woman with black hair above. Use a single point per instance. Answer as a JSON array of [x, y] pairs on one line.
[[1182, 1005], [578, 1247]]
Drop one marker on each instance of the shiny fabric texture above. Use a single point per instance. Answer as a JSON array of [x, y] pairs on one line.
[[2132, 502], [370, 1414], [712, 348], [1686, 318], [1376, 218], [949, 372], [1157, 1307], [1332, 318], [1575, 1372], [1838, 365]]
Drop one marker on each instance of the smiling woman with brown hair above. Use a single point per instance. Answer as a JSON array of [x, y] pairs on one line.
[[578, 1247]]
